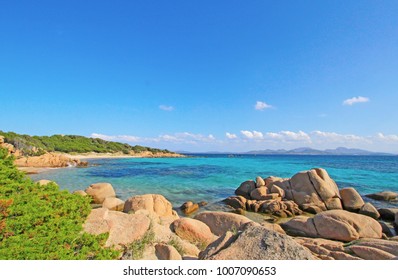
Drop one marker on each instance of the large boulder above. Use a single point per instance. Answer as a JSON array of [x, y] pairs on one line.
[[313, 187], [245, 189], [385, 196], [154, 203], [335, 224], [100, 191], [221, 222], [254, 242], [123, 228], [193, 231], [352, 201]]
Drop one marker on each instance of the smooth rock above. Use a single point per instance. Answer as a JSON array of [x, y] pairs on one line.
[[346, 226], [260, 182], [154, 203], [301, 226], [100, 191], [385, 196], [369, 210], [45, 182], [123, 228], [245, 189], [369, 253], [389, 246], [352, 201], [236, 202], [221, 222], [189, 207], [113, 203], [80, 192], [193, 231], [167, 252], [259, 193], [254, 242]]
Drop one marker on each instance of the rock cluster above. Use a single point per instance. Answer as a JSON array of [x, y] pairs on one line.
[[48, 160]]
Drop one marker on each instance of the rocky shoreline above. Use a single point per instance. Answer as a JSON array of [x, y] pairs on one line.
[[50, 160], [311, 219]]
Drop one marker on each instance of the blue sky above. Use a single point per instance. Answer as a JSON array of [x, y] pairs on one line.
[[203, 75]]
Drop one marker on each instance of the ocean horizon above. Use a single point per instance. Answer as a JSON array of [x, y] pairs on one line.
[[214, 177]]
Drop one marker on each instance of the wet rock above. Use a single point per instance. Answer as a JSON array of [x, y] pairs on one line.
[[189, 207]]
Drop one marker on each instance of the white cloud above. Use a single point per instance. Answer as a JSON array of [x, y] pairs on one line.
[[252, 134], [260, 106], [337, 138], [231, 135], [387, 138], [352, 101], [166, 108], [186, 137]]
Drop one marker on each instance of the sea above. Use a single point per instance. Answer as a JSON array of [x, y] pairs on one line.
[[214, 177]]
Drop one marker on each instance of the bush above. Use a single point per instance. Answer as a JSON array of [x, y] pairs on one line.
[[42, 222]]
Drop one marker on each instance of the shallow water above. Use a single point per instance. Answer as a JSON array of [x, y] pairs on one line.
[[214, 177]]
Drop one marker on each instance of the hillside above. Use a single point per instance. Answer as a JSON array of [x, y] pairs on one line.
[[39, 145]]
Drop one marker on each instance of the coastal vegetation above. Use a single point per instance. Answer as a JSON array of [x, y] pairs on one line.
[[42, 222], [39, 145]]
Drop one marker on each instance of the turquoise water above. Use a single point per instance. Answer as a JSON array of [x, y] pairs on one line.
[[215, 177]]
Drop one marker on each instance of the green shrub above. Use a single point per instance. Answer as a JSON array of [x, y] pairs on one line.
[[42, 222]]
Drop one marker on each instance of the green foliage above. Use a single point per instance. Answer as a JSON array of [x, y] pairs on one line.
[[177, 245], [137, 247], [42, 222], [38, 145]]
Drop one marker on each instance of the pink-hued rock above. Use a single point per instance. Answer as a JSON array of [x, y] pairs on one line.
[[260, 182], [100, 191], [236, 202], [346, 226], [313, 187], [123, 228], [369, 253], [113, 203], [167, 252], [221, 222], [335, 224], [193, 231], [369, 210], [352, 201], [154, 203]]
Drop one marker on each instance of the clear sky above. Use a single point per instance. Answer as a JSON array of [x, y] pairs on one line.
[[203, 75]]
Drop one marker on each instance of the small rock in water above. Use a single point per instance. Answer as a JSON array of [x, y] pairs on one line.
[[189, 207], [385, 196]]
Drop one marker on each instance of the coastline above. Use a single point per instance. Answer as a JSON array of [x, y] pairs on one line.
[[120, 155]]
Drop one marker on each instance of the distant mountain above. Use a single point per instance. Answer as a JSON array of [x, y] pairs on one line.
[[310, 151]]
